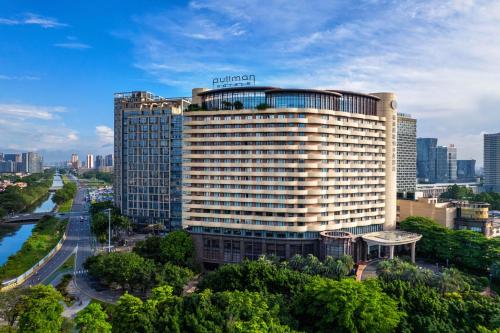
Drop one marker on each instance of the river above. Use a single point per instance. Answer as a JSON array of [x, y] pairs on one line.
[[13, 237]]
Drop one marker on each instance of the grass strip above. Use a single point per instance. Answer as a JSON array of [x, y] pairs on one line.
[[44, 237], [65, 207]]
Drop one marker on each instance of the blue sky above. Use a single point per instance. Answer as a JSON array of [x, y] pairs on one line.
[[61, 62]]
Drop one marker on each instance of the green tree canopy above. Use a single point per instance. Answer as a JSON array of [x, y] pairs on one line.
[[346, 306], [92, 319], [176, 248], [41, 310]]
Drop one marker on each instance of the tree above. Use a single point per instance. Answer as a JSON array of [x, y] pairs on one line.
[[178, 249], [457, 193], [150, 248], [259, 275], [67, 192], [345, 306], [10, 305], [128, 270], [466, 249], [130, 316], [41, 310], [92, 319], [173, 275]]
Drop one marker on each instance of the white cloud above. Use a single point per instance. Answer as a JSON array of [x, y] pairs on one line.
[[26, 111], [104, 134], [440, 57], [73, 45], [33, 19], [19, 78], [72, 136]]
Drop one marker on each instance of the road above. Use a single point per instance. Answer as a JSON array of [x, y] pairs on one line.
[[73, 235], [79, 240]]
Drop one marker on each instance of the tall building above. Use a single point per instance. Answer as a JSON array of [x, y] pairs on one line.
[[90, 161], [7, 167], [74, 161], [441, 165], [31, 163], [287, 171], [148, 157], [108, 160], [99, 162], [426, 157], [406, 154], [16, 158], [452, 163], [492, 162], [466, 169]]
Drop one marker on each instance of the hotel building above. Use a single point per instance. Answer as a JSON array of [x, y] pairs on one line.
[[289, 171], [148, 161]]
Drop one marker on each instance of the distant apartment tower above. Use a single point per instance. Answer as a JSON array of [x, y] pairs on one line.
[[108, 160], [466, 169], [492, 162], [441, 165], [406, 154], [90, 161], [452, 163], [7, 167], [148, 157], [74, 161], [426, 157], [99, 162], [287, 171], [31, 163]]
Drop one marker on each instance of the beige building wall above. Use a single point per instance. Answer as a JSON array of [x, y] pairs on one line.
[[224, 173], [427, 207], [386, 108], [195, 99]]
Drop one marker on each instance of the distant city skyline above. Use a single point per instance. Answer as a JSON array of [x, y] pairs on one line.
[[59, 99]]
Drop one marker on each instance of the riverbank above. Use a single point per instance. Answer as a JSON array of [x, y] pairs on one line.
[[15, 199], [64, 197], [46, 234]]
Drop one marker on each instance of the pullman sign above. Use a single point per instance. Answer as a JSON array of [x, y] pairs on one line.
[[233, 81]]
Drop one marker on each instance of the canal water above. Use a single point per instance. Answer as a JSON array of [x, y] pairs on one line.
[[12, 238]]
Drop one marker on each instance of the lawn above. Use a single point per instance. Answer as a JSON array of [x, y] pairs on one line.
[[65, 179], [65, 207], [45, 236]]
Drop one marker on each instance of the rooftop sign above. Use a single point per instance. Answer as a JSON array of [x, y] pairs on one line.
[[233, 81]]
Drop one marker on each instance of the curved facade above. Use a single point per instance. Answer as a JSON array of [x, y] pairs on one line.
[[275, 167]]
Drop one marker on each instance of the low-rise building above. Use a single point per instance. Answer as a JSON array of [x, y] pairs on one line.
[[458, 215]]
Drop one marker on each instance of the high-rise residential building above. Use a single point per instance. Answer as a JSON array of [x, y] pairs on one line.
[[90, 161], [74, 161], [426, 159], [441, 165], [287, 171], [492, 162], [466, 169], [31, 163], [16, 158], [7, 167], [407, 154], [108, 160], [99, 162], [148, 157], [452, 163]]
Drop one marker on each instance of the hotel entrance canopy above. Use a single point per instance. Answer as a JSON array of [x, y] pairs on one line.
[[393, 238]]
